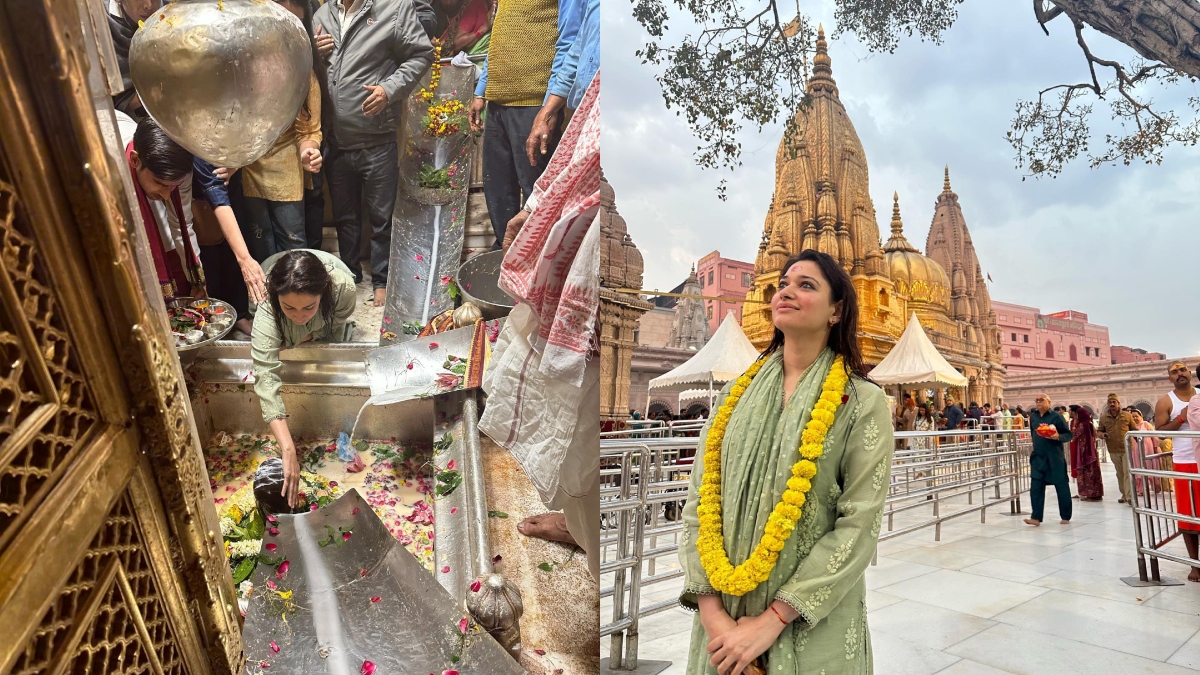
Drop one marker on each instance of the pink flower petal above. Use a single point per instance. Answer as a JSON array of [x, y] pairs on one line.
[[476, 585], [540, 652], [283, 569], [264, 665], [446, 569], [433, 345], [362, 573], [376, 599], [368, 668], [448, 672], [272, 519], [418, 257], [451, 465], [274, 531], [271, 584], [333, 483], [497, 559], [345, 536], [463, 624], [354, 512], [313, 507], [453, 510], [410, 366], [271, 547], [274, 647], [387, 319]]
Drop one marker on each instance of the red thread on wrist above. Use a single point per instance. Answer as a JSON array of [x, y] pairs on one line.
[[781, 619]]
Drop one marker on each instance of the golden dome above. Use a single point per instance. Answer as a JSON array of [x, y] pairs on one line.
[[918, 278]]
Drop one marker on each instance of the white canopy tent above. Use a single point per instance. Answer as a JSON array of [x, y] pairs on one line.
[[726, 356], [915, 362]]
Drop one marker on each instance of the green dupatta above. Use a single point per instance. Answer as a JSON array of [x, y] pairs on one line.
[[821, 569]]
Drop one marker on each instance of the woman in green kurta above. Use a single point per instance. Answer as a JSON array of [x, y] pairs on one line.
[[810, 615], [310, 296]]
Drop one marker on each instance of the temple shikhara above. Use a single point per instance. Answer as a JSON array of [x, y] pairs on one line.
[[822, 201]]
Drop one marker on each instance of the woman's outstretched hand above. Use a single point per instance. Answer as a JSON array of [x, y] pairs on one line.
[[291, 477], [735, 649]]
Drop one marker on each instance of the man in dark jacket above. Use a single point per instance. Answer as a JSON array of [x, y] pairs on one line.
[[123, 18], [376, 51], [1048, 462], [953, 414]]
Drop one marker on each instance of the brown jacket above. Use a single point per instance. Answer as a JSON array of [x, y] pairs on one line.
[[1114, 428]]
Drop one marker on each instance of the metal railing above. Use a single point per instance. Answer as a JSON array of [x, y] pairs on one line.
[[932, 468], [1162, 494], [644, 483], [656, 429]]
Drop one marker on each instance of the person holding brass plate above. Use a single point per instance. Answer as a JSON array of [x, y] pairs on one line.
[[310, 297]]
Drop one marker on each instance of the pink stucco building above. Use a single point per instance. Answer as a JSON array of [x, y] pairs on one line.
[[1121, 354], [1033, 341], [723, 277]]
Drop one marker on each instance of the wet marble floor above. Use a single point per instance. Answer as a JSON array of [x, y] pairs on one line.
[[1002, 597]]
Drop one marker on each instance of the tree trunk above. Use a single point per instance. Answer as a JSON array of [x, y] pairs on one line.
[[1160, 30]]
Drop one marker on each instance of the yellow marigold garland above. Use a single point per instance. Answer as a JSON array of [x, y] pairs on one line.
[[746, 577], [426, 94]]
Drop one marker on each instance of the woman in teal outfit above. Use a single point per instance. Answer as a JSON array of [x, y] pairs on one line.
[[810, 615]]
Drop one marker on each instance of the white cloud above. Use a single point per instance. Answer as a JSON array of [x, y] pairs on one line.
[[1118, 243]]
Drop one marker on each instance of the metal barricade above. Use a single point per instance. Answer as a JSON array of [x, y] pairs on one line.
[[1161, 495], [643, 484]]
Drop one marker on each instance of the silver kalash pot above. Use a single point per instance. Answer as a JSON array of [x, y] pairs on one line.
[[497, 608], [223, 78]]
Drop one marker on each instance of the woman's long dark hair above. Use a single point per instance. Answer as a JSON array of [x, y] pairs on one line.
[[300, 272], [843, 336]]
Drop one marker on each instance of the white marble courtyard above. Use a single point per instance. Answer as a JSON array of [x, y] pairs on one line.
[[1003, 597]]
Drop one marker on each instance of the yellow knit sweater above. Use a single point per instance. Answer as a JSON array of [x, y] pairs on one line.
[[521, 51]]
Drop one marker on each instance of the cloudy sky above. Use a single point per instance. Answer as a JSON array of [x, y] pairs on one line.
[[1118, 243]]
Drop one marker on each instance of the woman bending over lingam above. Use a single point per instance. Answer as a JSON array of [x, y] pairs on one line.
[[310, 296], [787, 494]]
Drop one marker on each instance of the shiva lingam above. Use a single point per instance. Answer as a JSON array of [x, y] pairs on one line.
[[223, 78], [497, 608]]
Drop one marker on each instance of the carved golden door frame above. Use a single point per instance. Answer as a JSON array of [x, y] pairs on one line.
[[111, 560]]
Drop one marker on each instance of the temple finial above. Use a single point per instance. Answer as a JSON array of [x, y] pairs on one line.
[[897, 223], [946, 181]]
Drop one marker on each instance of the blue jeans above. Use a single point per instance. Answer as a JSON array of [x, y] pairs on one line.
[[367, 176], [272, 227]]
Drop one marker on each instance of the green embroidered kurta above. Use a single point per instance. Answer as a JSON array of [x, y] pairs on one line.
[[821, 569], [266, 341]]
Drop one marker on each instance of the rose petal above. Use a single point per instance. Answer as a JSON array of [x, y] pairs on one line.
[[272, 519], [333, 483], [451, 465], [274, 531], [463, 624], [476, 585], [410, 366], [419, 257], [362, 574], [368, 668], [433, 345], [313, 507], [345, 536], [354, 512], [264, 665], [446, 569], [540, 652], [376, 599], [271, 547], [274, 647], [283, 568], [453, 510], [270, 584], [449, 672], [497, 559]]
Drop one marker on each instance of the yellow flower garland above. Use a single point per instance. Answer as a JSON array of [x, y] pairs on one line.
[[746, 577]]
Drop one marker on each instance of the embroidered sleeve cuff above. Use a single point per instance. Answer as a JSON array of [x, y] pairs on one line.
[[805, 615], [687, 599]]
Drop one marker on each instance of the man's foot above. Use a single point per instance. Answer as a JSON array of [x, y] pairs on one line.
[[1195, 574], [1064, 522], [1121, 500], [380, 296], [551, 526], [1031, 521]]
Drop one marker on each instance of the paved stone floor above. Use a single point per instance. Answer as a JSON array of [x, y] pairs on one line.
[[1002, 597]]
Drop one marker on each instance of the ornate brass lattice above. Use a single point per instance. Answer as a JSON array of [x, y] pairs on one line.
[[109, 617], [45, 406]]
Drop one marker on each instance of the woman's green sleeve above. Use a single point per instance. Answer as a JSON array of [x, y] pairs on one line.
[[695, 579], [265, 341], [346, 297], [840, 557]]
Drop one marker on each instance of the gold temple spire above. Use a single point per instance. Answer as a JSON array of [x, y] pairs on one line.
[[822, 77], [946, 181], [898, 242]]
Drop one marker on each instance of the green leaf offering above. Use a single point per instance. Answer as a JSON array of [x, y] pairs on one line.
[[448, 481], [546, 567], [244, 569], [497, 514]]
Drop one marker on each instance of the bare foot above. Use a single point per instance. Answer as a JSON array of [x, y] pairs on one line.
[[380, 296], [1064, 522], [1195, 574], [1031, 521], [551, 526]]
